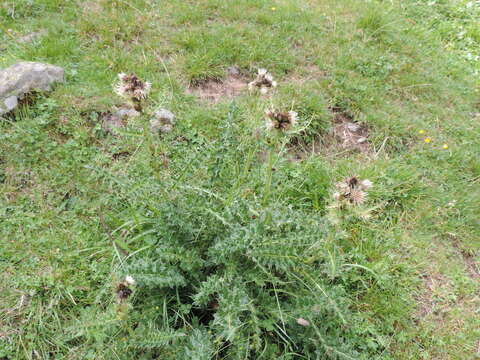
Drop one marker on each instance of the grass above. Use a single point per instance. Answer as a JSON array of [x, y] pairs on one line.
[[230, 242]]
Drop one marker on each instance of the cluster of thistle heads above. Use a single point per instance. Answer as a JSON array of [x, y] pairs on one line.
[[264, 82], [133, 89], [352, 190], [280, 120], [275, 120]]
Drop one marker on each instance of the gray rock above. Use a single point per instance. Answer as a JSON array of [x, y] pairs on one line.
[[127, 113], [111, 122], [353, 127], [117, 120], [162, 121], [11, 103], [20, 79]]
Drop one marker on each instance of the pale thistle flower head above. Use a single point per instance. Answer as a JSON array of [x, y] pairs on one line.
[[352, 190], [357, 196], [130, 280], [293, 117], [270, 125]]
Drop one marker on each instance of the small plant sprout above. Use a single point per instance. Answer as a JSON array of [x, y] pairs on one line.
[[280, 120], [264, 82], [131, 88], [352, 190]]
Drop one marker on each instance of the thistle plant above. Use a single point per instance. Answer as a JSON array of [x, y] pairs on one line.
[[277, 123], [264, 82], [124, 289], [281, 120], [352, 190], [133, 89]]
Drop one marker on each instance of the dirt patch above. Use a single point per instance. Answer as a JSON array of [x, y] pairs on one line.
[[344, 137], [468, 259], [430, 301], [214, 90], [347, 134]]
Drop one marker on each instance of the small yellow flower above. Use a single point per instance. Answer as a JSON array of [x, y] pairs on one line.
[[445, 146], [274, 8], [421, 132], [427, 140]]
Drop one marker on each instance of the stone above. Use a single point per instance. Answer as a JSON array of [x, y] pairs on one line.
[[353, 127], [23, 78], [127, 113], [111, 123], [117, 120], [10, 103], [163, 121]]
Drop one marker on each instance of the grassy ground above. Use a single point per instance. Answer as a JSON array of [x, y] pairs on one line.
[[229, 240]]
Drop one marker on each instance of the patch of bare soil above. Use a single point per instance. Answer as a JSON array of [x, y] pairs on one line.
[[429, 301], [214, 90], [469, 260], [347, 134]]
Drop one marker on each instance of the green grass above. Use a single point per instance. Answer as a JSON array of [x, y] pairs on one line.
[[231, 242]]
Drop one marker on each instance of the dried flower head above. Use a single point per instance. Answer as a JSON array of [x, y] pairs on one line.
[[352, 190], [130, 87], [123, 292], [280, 120], [264, 81], [124, 289]]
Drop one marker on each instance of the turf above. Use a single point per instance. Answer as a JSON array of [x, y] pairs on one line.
[[232, 232]]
